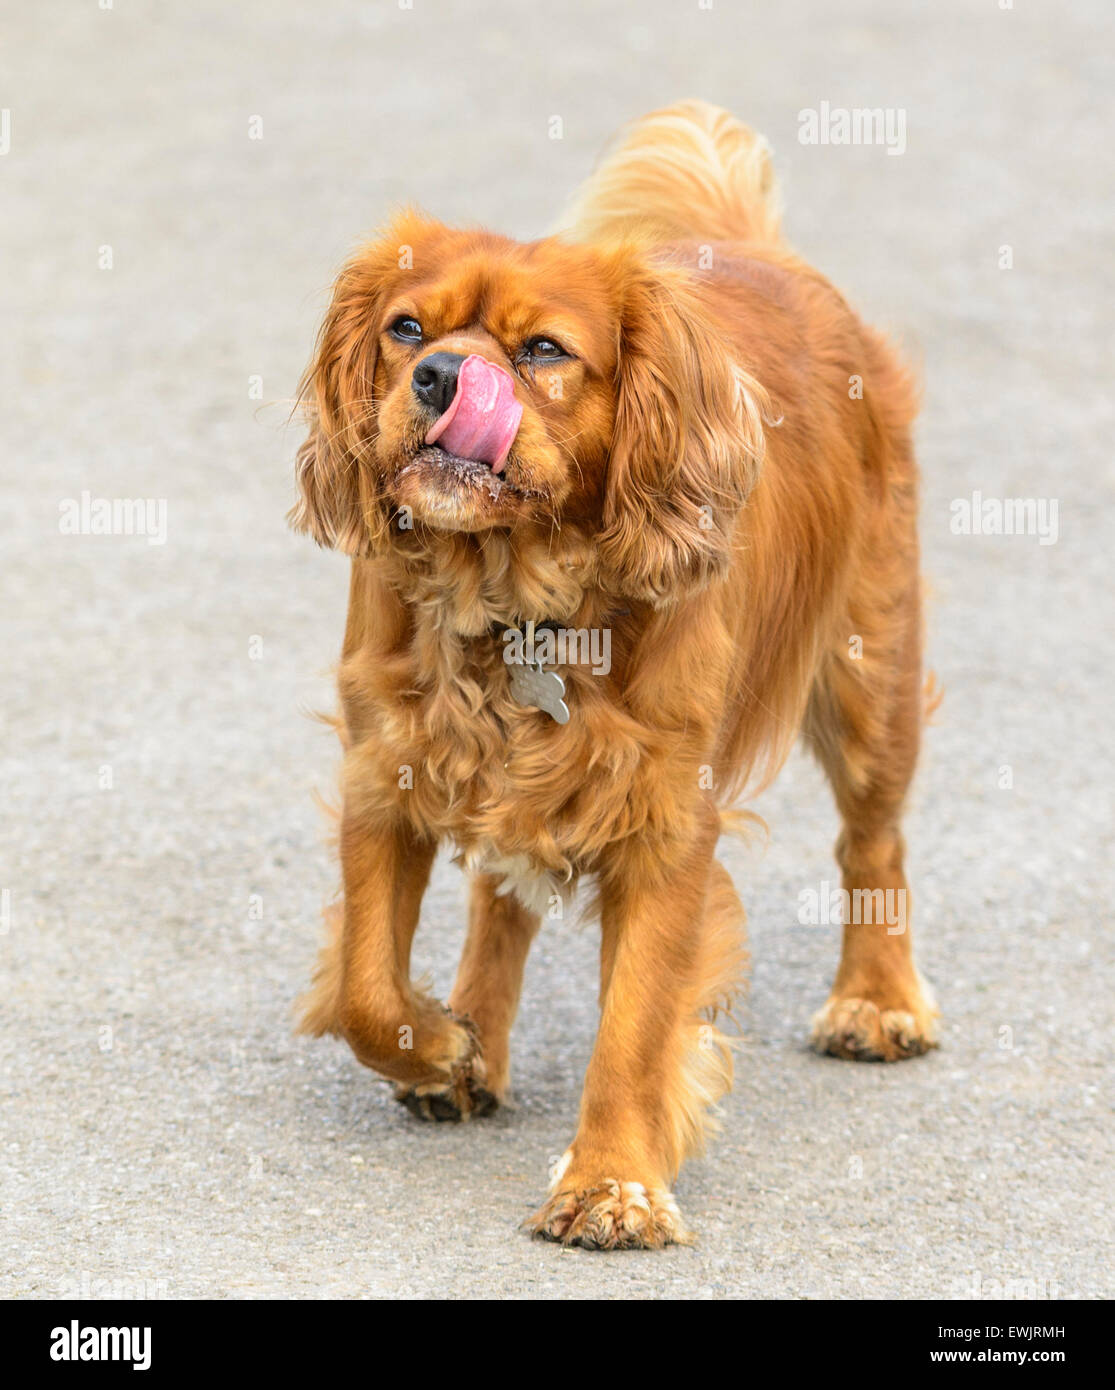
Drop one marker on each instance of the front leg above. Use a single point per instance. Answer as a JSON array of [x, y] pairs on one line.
[[363, 991], [671, 948]]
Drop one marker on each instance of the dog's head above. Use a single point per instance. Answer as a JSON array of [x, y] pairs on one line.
[[464, 382]]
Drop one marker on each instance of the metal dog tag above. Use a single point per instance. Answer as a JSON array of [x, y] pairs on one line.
[[537, 688]]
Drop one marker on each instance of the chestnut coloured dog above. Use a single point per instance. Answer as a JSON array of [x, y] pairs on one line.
[[649, 427]]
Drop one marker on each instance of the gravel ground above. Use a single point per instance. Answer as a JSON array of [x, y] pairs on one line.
[[162, 1131]]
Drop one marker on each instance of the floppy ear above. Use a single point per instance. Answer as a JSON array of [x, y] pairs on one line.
[[686, 447], [339, 502]]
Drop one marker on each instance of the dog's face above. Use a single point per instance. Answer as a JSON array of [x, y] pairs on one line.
[[542, 314], [464, 381]]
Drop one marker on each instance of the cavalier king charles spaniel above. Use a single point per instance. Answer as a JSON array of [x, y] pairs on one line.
[[629, 508]]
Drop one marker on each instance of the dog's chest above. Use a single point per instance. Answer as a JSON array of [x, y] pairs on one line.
[[539, 889], [503, 779], [447, 737]]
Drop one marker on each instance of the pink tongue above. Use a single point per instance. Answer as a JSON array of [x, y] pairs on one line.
[[483, 417]]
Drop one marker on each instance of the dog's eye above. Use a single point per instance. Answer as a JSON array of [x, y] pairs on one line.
[[544, 350], [407, 330]]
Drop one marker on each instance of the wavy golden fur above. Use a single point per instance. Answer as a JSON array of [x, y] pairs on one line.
[[698, 474]]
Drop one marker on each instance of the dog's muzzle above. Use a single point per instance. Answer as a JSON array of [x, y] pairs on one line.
[[480, 416]]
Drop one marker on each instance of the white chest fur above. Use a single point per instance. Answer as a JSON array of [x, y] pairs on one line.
[[537, 889]]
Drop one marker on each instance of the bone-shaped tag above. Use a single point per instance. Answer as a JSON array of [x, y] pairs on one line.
[[536, 688]]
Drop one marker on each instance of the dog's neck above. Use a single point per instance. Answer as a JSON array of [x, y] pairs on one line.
[[474, 584]]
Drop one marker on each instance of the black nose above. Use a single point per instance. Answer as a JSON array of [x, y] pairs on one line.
[[435, 379]]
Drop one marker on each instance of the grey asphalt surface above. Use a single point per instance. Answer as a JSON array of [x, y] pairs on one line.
[[163, 864]]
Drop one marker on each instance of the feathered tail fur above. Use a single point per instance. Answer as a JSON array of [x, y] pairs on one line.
[[688, 170]]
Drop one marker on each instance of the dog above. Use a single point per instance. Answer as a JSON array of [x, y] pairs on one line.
[[662, 426]]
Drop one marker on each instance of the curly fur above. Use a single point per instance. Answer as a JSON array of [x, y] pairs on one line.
[[699, 476]]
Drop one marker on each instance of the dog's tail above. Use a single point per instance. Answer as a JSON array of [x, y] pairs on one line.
[[689, 170]]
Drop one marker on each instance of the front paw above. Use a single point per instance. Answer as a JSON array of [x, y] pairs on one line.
[[610, 1215], [453, 1102], [463, 1094], [859, 1030]]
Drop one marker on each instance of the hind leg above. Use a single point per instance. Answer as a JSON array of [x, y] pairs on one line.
[[490, 976], [486, 997], [864, 721]]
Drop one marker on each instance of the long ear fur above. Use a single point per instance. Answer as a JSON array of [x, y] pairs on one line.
[[687, 444], [338, 494]]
